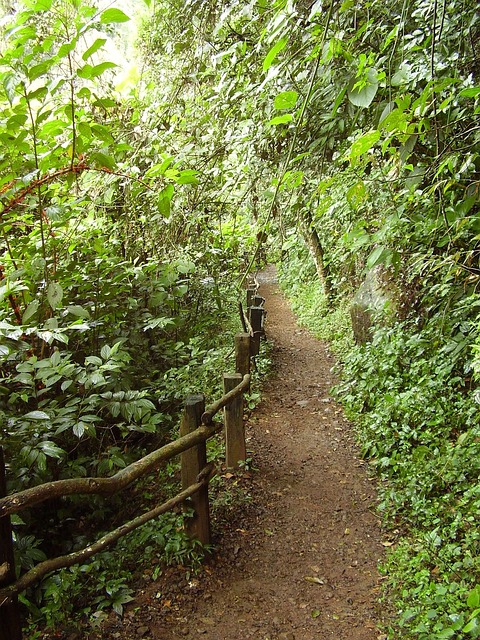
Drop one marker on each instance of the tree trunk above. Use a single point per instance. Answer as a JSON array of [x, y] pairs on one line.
[[316, 251]]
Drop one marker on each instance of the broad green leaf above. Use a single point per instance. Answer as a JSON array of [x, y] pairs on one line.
[[378, 256], [102, 133], [356, 194], [79, 429], [39, 70], [287, 117], [188, 176], [473, 600], [363, 96], [85, 130], [180, 290], [471, 92], [37, 415], [42, 5], [87, 71], [102, 160], [30, 311], [54, 295], [364, 144], [111, 16], [285, 100], [473, 625], [10, 83], [78, 311], [165, 199], [105, 352], [51, 450], [159, 323], [273, 53], [67, 48], [98, 44]]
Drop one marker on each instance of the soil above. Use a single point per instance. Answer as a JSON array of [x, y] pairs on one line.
[[298, 560]]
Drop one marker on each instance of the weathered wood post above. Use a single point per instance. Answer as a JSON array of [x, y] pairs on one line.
[[242, 353], [10, 625], [235, 446], [256, 320], [251, 291], [193, 461], [258, 301]]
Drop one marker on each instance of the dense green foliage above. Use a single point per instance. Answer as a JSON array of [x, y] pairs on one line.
[[346, 129]]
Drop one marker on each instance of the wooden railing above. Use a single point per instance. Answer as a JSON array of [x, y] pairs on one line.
[[196, 427]]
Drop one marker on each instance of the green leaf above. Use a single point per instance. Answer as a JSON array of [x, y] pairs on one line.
[[10, 83], [51, 450], [42, 5], [471, 92], [165, 199], [357, 194], [378, 256], [54, 295], [36, 415], [364, 144], [102, 160], [102, 133], [188, 176], [473, 600], [363, 96], [98, 44], [30, 311], [105, 352], [79, 429], [287, 117], [87, 71], [111, 16], [285, 100], [272, 54], [78, 311]]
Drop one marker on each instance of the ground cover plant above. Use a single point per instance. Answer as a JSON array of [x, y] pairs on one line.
[[133, 205]]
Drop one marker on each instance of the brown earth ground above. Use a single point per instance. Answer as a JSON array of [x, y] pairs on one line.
[[298, 560]]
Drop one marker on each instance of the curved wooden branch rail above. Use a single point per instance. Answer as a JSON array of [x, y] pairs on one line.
[[215, 407], [105, 486], [41, 569]]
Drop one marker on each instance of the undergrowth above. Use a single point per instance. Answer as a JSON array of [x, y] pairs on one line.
[[412, 397], [298, 279]]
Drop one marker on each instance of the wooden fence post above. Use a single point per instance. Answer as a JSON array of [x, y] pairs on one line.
[[242, 353], [251, 291], [10, 625], [193, 461], [235, 446], [256, 320]]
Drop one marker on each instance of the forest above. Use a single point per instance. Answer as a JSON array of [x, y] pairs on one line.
[[152, 157]]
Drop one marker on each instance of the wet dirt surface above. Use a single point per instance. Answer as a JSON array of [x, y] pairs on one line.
[[298, 561]]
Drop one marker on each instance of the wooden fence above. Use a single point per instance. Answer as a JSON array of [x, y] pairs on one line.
[[196, 427]]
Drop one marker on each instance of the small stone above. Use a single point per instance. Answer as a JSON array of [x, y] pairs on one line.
[[142, 631]]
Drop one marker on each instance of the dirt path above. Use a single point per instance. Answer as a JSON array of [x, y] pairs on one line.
[[300, 561]]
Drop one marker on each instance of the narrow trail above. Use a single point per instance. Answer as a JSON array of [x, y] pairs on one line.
[[302, 564]]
